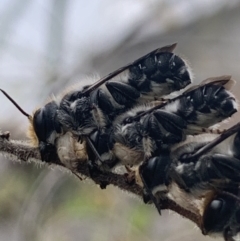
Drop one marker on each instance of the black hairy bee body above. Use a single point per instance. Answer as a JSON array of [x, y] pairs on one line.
[[201, 175], [91, 108], [124, 119], [146, 131], [148, 78]]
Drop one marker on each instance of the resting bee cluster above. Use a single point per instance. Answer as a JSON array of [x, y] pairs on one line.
[[127, 118]]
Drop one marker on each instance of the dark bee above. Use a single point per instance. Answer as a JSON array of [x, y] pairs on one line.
[[202, 175], [90, 112], [146, 131], [58, 125]]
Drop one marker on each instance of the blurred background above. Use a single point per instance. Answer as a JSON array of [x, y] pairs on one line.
[[46, 45]]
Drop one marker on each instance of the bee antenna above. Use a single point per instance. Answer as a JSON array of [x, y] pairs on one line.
[[15, 103]]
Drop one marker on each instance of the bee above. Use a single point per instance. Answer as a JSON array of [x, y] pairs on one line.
[[147, 130], [202, 175], [61, 128]]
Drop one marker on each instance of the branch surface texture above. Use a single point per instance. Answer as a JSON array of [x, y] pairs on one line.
[[22, 151]]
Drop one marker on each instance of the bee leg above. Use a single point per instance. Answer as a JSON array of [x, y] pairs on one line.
[[94, 168], [48, 152], [130, 175], [122, 93], [103, 142], [224, 166], [227, 133], [227, 235], [147, 192], [173, 124], [95, 172], [153, 173], [95, 152], [153, 124], [170, 121], [100, 99], [216, 167], [151, 127], [80, 150], [153, 132]]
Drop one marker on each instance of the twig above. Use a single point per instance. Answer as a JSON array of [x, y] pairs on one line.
[[24, 152]]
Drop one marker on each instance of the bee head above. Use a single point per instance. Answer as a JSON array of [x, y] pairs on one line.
[[44, 122], [43, 127], [43, 130], [155, 171]]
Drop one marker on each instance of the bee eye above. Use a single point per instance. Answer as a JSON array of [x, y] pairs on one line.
[[216, 209], [213, 214], [217, 213], [216, 206]]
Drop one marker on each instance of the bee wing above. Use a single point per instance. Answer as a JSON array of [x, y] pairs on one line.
[[168, 48], [224, 80], [206, 148]]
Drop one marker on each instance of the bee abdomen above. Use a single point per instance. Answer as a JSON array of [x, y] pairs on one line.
[[149, 78], [204, 105], [159, 74]]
